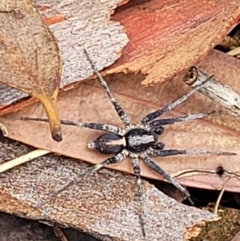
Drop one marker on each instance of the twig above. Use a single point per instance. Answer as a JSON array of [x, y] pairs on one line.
[[218, 92], [220, 196], [22, 159]]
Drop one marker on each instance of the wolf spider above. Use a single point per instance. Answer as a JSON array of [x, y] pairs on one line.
[[135, 140]]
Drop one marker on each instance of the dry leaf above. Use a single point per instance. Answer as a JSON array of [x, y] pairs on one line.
[[89, 103], [103, 205], [83, 25], [29, 57]]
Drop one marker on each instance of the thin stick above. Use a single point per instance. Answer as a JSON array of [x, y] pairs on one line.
[[191, 172], [22, 159], [220, 196]]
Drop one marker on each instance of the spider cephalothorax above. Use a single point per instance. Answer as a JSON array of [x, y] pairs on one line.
[[135, 141]]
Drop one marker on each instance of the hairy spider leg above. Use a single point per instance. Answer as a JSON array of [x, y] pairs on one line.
[[167, 108], [96, 126], [139, 193], [121, 113], [111, 160], [173, 152], [169, 121], [149, 162]]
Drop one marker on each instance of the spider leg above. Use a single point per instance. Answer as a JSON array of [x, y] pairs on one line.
[[111, 160], [169, 121], [173, 152], [136, 170], [96, 126], [167, 108], [121, 113], [149, 162]]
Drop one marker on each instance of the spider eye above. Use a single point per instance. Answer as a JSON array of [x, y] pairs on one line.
[[158, 130], [158, 146]]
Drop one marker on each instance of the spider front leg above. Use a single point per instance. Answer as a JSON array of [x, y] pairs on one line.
[[149, 162], [167, 108], [117, 158], [95, 126], [121, 113], [169, 121]]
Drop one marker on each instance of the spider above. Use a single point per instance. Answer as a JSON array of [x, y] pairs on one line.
[[137, 141]]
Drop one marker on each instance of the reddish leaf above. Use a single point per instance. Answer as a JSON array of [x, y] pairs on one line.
[[168, 36], [237, 237]]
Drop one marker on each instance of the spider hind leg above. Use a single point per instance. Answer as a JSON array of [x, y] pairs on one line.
[[111, 160], [173, 152], [139, 193], [150, 163]]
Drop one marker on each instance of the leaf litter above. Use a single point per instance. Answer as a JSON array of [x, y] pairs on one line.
[[170, 35], [30, 61], [84, 24], [138, 101], [51, 146]]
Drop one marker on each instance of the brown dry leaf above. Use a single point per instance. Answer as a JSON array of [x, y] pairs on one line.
[[88, 103], [29, 57], [103, 205], [83, 24]]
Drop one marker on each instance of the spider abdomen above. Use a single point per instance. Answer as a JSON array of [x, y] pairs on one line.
[[139, 140], [108, 144]]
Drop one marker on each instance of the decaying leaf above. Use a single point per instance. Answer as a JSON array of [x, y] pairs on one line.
[[103, 205], [29, 57], [82, 25], [89, 103]]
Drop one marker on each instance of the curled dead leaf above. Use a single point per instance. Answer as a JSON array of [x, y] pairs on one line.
[[30, 61]]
